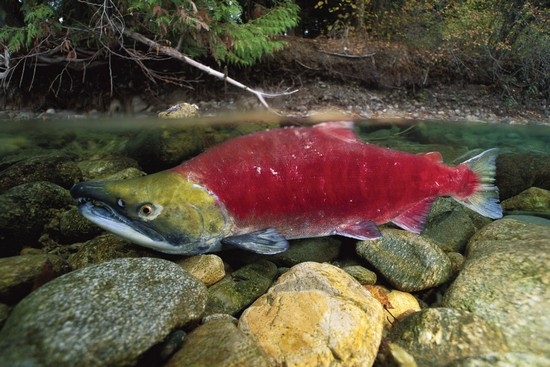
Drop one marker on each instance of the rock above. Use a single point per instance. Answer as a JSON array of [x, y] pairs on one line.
[[397, 304], [96, 169], [103, 248], [19, 275], [180, 110], [238, 290], [532, 199], [218, 343], [506, 281], [502, 360], [361, 274], [25, 210], [57, 168], [315, 315], [106, 314], [437, 336], [520, 171], [408, 261], [322, 249], [450, 230], [159, 149], [209, 269], [73, 227]]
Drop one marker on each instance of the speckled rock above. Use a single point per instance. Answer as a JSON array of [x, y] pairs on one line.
[[57, 168], [502, 360], [408, 261], [315, 315], [361, 274], [209, 269], [218, 342], [73, 227], [103, 168], [103, 248], [107, 314], [19, 275], [519, 171], [437, 336], [24, 210], [532, 199], [322, 249], [239, 289], [450, 230], [506, 281]]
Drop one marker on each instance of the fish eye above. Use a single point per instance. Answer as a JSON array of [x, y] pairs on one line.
[[146, 210], [121, 203]]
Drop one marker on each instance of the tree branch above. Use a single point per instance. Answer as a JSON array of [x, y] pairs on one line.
[[172, 52]]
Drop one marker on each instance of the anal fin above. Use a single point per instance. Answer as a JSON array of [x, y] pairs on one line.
[[266, 241], [414, 219], [365, 230]]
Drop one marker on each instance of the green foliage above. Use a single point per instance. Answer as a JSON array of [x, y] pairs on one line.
[[198, 28], [40, 22]]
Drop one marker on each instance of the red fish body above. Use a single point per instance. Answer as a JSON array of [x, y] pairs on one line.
[[322, 180]]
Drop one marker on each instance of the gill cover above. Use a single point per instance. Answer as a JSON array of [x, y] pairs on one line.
[[162, 211]]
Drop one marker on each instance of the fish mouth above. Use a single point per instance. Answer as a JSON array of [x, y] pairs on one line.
[[94, 204]]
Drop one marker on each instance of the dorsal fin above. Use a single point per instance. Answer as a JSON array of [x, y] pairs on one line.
[[339, 129], [433, 156]]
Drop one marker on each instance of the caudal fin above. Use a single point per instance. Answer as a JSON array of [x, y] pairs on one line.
[[485, 200]]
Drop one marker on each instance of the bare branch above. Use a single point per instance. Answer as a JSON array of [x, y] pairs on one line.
[[172, 52]]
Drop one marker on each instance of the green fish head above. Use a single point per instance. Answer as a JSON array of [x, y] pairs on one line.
[[162, 211]]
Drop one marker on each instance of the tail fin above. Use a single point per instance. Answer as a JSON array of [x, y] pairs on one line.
[[485, 200]]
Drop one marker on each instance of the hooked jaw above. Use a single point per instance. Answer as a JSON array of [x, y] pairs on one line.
[[107, 212]]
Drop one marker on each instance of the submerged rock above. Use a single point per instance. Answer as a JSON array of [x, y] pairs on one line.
[[506, 281], [107, 314], [532, 199], [25, 210], [19, 275], [57, 168], [518, 172], [438, 336], [208, 268], [218, 342], [315, 315], [408, 261], [239, 289]]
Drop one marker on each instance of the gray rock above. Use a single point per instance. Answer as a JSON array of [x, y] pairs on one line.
[[24, 210], [518, 172], [408, 261], [437, 336], [533, 199], [502, 360], [218, 342], [450, 230], [106, 247], [73, 227], [506, 280], [57, 168], [361, 274], [107, 314], [102, 168], [19, 275], [238, 290]]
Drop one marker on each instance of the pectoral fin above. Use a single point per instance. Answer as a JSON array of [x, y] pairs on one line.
[[365, 230], [266, 241]]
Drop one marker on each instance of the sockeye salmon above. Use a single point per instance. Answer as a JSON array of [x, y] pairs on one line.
[[259, 190]]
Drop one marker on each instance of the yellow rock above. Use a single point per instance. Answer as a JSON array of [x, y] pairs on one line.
[[316, 315], [180, 110], [209, 269], [397, 304]]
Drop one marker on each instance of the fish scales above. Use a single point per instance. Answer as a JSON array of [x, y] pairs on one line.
[[306, 181]]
